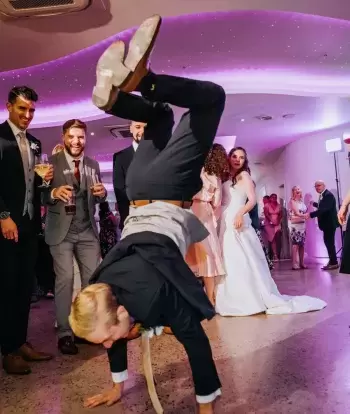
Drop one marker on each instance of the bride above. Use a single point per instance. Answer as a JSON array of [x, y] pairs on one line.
[[248, 287]]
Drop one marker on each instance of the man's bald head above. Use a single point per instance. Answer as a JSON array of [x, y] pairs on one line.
[[320, 186], [137, 129]]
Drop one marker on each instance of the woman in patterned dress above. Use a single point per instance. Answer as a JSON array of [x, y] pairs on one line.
[[297, 227], [273, 218]]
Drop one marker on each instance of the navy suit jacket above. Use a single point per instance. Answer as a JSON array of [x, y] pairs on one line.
[[326, 212]]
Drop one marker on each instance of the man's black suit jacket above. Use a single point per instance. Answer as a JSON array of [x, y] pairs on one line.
[[138, 269], [121, 163], [326, 212], [254, 217], [12, 180]]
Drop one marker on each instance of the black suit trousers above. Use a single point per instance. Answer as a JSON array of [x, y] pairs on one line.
[[329, 241], [17, 278], [167, 164], [186, 326]]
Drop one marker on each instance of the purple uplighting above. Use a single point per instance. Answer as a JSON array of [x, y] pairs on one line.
[[251, 52]]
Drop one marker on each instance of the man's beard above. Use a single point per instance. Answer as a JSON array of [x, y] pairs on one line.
[[68, 149]]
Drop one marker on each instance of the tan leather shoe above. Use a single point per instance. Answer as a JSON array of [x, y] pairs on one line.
[[140, 49], [135, 332], [206, 408], [167, 330], [14, 364], [28, 353], [114, 73]]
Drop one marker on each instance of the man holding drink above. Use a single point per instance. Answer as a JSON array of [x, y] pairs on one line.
[[71, 229], [20, 223]]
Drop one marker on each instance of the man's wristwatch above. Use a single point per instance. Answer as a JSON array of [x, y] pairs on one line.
[[4, 215]]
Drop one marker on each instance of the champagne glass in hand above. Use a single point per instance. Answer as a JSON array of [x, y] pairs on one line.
[[94, 181], [41, 168]]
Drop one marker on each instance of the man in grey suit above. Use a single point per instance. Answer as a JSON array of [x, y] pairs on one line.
[[72, 234]]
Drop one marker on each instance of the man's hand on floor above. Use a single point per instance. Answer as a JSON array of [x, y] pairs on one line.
[[109, 397]]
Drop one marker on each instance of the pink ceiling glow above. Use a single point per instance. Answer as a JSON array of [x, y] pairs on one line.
[[245, 51]]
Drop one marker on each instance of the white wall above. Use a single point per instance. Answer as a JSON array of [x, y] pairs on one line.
[[302, 163]]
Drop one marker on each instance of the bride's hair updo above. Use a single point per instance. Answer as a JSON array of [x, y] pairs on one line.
[[245, 166], [216, 162]]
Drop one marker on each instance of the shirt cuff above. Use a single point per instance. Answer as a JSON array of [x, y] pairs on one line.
[[119, 377], [53, 198], [205, 399]]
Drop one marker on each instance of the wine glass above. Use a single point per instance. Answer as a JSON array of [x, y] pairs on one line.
[[41, 168]]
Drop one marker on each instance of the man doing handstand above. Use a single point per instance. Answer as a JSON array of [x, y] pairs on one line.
[[145, 275]]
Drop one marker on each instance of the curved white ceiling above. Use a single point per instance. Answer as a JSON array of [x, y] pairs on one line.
[[27, 42], [244, 51], [268, 53]]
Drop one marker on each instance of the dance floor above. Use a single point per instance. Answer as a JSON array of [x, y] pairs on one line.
[[275, 364]]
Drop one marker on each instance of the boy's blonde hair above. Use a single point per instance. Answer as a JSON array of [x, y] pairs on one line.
[[89, 306]]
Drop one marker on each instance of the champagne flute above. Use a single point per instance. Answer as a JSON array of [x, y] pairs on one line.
[[42, 166], [94, 181]]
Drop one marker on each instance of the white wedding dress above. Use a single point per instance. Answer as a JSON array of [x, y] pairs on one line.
[[248, 287]]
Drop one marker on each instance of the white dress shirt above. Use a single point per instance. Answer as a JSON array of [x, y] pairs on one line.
[[28, 204], [71, 164], [321, 196], [184, 228], [135, 145]]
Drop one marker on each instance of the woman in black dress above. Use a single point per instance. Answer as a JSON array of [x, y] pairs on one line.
[[108, 228]]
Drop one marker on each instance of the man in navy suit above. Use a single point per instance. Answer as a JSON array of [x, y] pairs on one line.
[[121, 163], [326, 214]]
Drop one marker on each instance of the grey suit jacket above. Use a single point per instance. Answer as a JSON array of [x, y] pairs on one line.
[[57, 221]]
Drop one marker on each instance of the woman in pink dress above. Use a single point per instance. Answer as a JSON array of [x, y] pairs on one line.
[[206, 258], [273, 218]]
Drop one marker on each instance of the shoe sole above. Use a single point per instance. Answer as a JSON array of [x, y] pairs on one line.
[[128, 76], [108, 79], [137, 62]]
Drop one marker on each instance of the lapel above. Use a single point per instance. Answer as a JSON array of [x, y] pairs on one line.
[[63, 166], [34, 148], [9, 136], [322, 197], [129, 155], [87, 168]]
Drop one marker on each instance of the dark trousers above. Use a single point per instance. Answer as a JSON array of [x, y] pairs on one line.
[[167, 164], [187, 328], [329, 241], [44, 267], [17, 278]]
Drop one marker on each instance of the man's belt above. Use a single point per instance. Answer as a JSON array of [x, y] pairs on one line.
[[178, 203]]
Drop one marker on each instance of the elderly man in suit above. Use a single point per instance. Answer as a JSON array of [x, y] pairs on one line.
[[20, 224], [70, 235], [326, 214], [121, 163]]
